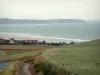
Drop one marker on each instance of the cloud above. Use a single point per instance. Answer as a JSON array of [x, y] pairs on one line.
[[44, 9]]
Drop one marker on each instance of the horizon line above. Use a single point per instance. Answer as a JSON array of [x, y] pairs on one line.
[[51, 19]]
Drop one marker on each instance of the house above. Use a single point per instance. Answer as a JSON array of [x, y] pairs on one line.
[[12, 41]]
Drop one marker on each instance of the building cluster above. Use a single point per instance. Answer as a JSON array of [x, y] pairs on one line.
[[12, 41]]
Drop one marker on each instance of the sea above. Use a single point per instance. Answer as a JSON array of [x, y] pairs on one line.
[[52, 31]]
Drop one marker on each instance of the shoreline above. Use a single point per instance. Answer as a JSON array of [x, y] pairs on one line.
[[19, 36]]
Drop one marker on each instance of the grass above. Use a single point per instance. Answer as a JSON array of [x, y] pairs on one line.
[[10, 52], [20, 55], [80, 59], [77, 59], [47, 68], [24, 47], [13, 54], [10, 70]]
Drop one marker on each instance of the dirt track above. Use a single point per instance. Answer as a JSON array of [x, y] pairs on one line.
[[26, 68]]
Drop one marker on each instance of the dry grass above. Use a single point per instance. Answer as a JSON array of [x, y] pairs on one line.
[[23, 47]]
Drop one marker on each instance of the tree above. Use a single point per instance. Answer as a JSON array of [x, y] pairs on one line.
[[72, 43], [44, 42]]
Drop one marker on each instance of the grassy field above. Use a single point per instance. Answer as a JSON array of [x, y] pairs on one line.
[[76, 59], [14, 55], [79, 59], [11, 52], [20, 55], [9, 70], [24, 47], [17, 53]]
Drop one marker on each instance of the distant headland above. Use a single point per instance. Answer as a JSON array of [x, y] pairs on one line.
[[39, 21]]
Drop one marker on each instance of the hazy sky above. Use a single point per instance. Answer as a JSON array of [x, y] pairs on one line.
[[50, 9]]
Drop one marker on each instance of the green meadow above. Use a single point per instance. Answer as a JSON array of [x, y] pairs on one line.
[[79, 59], [19, 54]]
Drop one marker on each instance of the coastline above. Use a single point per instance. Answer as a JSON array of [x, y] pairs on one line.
[[19, 36]]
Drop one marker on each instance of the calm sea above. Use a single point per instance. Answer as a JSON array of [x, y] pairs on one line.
[[84, 31]]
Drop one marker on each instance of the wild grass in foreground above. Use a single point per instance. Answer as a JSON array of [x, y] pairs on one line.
[[47, 68], [81, 59]]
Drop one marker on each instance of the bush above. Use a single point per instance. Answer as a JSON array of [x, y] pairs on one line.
[[50, 69]]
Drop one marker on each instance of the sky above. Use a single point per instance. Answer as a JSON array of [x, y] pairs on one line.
[[50, 9]]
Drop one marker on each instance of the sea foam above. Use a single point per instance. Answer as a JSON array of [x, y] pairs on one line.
[[19, 36]]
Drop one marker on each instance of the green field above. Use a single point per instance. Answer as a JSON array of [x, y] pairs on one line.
[[80, 59], [11, 52], [19, 54]]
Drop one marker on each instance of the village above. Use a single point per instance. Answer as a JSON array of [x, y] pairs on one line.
[[12, 41]]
